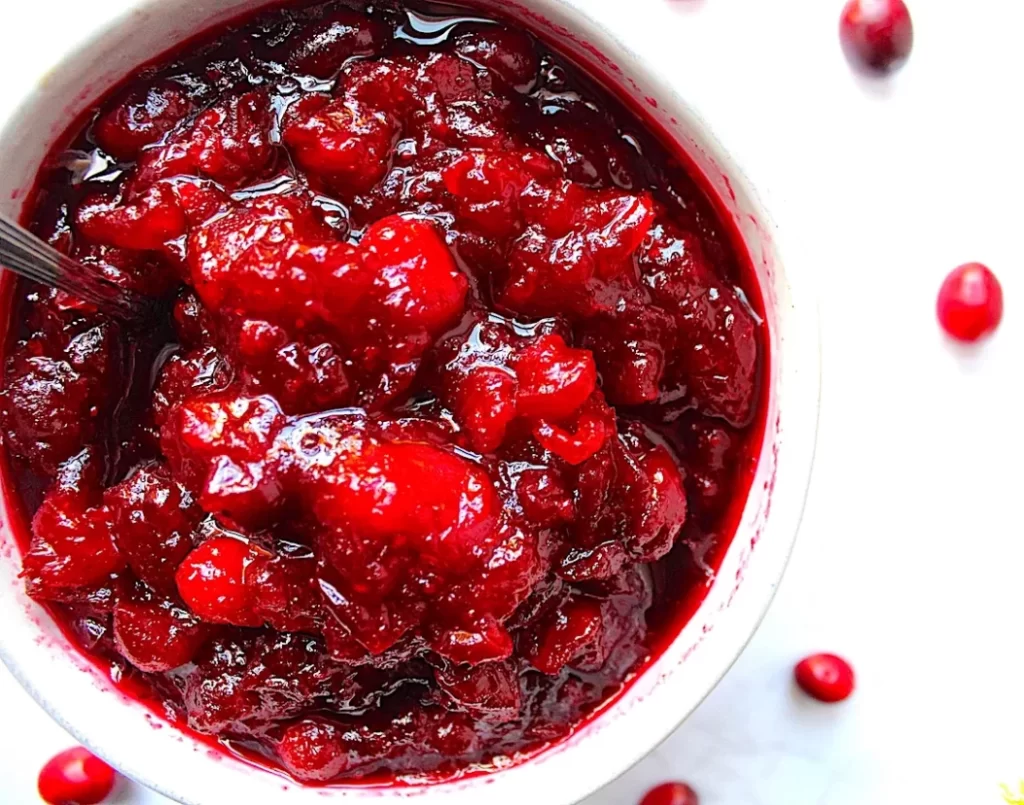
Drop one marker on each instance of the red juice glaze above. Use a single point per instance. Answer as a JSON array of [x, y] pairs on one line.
[[448, 414]]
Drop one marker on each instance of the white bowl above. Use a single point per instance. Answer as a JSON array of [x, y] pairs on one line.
[[115, 36]]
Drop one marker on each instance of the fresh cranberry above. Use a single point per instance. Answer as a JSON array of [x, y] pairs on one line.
[[671, 794], [970, 304], [75, 777], [877, 34], [826, 677]]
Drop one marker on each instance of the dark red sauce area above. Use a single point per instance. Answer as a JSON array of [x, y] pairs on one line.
[[446, 414]]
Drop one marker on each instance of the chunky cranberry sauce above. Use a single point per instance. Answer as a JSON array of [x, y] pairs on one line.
[[443, 418]]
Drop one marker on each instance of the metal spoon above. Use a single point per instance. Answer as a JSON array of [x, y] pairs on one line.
[[25, 254]]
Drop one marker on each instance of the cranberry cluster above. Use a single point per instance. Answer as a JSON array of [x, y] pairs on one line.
[[449, 359]]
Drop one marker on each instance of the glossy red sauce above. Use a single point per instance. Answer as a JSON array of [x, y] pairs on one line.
[[447, 411]]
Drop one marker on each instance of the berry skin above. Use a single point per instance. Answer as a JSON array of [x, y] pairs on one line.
[[970, 303], [75, 777], [671, 794], [825, 677], [877, 34]]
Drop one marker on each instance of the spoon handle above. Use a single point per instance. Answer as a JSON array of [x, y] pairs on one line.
[[25, 254]]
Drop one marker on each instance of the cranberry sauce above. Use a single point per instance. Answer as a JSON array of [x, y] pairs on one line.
[[445, 415]]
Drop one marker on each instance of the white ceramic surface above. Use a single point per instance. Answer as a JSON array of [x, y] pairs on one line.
[[115, 37]]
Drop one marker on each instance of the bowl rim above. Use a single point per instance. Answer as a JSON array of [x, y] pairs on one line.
[[574, 18]]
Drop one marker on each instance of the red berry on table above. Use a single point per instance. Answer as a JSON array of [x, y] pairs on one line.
[[826, 677], [75, 777], [877, 34], [970, 303], [671, 794]]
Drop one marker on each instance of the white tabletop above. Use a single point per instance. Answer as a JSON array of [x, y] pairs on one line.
[[911, 554]]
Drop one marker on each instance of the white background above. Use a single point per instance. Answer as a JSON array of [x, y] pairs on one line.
[[911, 554]]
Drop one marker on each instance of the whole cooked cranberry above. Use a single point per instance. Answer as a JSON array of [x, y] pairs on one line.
[[492, 687], [341, 139], [508, 53], [49, 407], [221, 445], [442, 505], [412, 254], [554, 380], [71, 544], [715, 330], [314, 750], [566, 634], [142, 119], [252, 677], [285, 592], [877, 34], [146, 222], [671, 794], [211, 580], [229, 142], [75, 777], [970, 303], [156, 636], [322, 48], [826, 677], [485, 404], [152, 520], [251, 259]]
